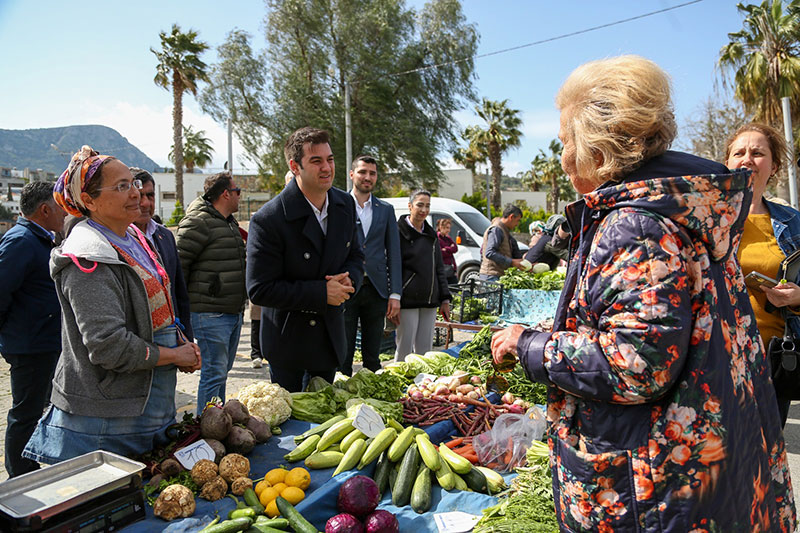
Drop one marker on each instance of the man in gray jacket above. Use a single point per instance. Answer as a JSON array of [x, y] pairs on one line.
[[212, 253]]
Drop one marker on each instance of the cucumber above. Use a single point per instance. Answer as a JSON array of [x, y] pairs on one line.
[[258, 528], [421, 491], [428, 452], [230, 526], [302, 451], [318, 430], [381, 474], [320, 460], [251, 499], [401, 444], [335, 433], [349, 439], [277, 523], [444, 476], [351, 458], [401, 492], [476, 481], [247, 512], [296, 520], [459, 464], [382, 441]]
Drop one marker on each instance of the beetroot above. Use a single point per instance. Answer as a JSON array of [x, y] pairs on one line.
[[358, 496], [259, 428], [215, 423], [237, 410], [343, 523], [381, 521], [240, 440]]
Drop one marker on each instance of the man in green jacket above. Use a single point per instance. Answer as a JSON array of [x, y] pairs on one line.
[[212, 254]]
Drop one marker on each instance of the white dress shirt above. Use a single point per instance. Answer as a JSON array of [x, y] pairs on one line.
[[321, 214], [364, 213]]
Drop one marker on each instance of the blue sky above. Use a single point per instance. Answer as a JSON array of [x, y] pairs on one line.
[[89, 62]]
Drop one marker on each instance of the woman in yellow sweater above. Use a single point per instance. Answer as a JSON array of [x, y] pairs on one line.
[[771, 232]]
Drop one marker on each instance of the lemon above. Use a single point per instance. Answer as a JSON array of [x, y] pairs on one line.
[[293, 495], [260, 486], [298, 477], [272, 509], [268, 495], [279, 487], [276, 475]]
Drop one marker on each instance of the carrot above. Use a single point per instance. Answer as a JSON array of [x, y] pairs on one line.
[[471, 457], [455, 442]]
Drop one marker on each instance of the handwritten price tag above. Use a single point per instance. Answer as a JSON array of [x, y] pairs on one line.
[[189, 455], [368, 421], [455, 522]]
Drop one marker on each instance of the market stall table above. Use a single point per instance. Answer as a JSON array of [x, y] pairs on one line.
[[321, 495]]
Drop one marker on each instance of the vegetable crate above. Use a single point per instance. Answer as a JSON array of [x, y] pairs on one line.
[[470, 300]]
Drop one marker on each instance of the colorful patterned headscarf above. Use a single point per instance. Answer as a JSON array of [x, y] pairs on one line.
[[74, 180]]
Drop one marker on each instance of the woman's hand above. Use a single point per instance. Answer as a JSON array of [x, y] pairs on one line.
[[505, 341], [444, 309], [783, 294]]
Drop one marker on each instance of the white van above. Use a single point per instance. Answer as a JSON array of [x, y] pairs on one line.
[[468, 225]]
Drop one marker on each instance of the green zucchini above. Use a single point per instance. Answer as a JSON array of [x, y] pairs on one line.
[[257, 528], [476, 480], [349, 439], [458, 482], [382, 441], [392, 423], [381, 474], [392, 479], [401, 492], [352, 456], [335, 433], [444, 476], [401, 444], [251, 499], [303, 450], [326, 459], [234, 525], [421, 491], [248, 512], [318, 430], [296, 520], [277, 523]]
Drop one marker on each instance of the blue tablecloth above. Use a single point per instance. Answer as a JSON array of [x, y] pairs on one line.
[[320, 502]]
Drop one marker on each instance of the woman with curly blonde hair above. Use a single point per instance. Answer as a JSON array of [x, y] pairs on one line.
[[662, 413]]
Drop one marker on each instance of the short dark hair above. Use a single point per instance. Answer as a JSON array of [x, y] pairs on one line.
[[293, 149], [511, 210], [141, 174], [33, 195], [215, 185], [368, 159]]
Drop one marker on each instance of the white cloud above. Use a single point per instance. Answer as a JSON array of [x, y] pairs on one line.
[[150, 129]]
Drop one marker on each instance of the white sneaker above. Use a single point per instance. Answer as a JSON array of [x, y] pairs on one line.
[[256, 363]]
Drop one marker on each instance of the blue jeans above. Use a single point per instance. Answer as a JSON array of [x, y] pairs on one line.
[[31, 377], [217, 335]]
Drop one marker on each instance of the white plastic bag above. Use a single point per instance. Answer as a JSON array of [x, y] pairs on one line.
[[503, 447]]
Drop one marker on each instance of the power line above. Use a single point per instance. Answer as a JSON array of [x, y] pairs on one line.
[[542, 41]]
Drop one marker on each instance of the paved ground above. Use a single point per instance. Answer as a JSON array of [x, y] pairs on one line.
[[243, 374]]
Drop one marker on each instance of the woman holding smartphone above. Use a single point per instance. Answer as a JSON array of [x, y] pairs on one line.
[[771, 233]]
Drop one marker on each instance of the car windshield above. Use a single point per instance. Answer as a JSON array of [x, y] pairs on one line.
[[476, 221]]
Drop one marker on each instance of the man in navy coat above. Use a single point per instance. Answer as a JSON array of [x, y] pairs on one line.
[[379, 294], [304, 261], [30, 317]]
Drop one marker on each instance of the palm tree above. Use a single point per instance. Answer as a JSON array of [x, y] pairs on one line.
[[180, 68], [197, 149], [501, 133], [546, 170]]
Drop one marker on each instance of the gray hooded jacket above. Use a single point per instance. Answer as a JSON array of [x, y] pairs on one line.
[[108, 354]]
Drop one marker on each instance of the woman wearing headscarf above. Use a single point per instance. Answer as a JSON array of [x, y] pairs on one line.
[[771, 233], [114, 386], [662, 414]]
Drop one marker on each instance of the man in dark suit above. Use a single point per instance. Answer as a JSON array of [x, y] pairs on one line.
[[303, 262], [379, 294], [164, 241]]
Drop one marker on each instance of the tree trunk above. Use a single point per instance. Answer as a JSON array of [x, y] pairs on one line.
[[497, 173], [554, 194], [177, 134]]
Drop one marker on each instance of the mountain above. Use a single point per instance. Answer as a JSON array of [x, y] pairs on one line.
[[51, 148]]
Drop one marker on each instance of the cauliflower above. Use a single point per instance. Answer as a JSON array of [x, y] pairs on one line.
[[270, 401]]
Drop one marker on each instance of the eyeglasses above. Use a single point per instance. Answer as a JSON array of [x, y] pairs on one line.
[[123, 186], [237, 190]]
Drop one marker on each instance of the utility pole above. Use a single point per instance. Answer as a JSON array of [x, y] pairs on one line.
[[488, 194], [348, 133], [787, 129], [230, 146]]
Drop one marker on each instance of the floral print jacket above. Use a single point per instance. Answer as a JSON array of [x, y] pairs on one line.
[[663, 416]]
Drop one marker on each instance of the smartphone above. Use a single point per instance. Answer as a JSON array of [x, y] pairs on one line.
[[754, 280]]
